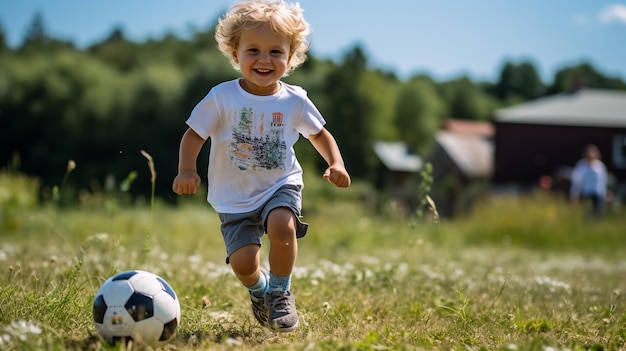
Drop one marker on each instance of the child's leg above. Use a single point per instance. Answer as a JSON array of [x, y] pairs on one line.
[[281, 232], [245, 264]]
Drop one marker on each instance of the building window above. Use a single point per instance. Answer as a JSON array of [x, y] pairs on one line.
[[619, 151]]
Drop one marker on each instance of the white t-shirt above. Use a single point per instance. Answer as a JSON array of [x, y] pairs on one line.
[[252, 140], [589, 178]]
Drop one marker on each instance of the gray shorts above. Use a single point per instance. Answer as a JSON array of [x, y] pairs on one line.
[[242, 229]]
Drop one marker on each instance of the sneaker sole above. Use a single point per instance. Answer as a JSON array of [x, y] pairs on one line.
[[275, 327]]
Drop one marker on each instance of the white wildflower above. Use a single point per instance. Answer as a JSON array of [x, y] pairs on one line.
[[194, 259], [552, 284], [221, 316], [233, 342], [101, 236], [20, 330]]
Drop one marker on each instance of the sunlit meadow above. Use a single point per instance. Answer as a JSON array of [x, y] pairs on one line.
[[529, 273]]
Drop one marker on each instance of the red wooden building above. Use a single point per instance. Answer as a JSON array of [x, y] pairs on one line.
[[545, 137]]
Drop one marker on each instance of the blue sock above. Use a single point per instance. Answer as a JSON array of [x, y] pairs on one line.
[[279, 283], [260, 287]]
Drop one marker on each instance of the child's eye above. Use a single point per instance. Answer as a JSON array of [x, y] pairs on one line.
[[253, 51], [276, 52]]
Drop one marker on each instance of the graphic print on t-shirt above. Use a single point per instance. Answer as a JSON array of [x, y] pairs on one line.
[[253, 147]]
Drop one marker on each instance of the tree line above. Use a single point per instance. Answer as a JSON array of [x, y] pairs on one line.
[[100, 105]]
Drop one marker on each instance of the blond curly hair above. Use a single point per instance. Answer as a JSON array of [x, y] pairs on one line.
[[283, 17]]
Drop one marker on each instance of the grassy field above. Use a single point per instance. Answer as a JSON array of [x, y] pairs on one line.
[[516, 274]]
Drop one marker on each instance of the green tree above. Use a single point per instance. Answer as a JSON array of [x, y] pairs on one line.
[[466, 100], [3, 40], [116, 51], [41, 108], [381, 89], [37, 40], [519, 81], [418, 113], [583, 76], [353, 120], [36, 33]]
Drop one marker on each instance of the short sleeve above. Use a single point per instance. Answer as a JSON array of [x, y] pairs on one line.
[[311, 121], [204, 116]]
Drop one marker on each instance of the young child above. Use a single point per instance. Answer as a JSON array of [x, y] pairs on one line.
[[255, 181]]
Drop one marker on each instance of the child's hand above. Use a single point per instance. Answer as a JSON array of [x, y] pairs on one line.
[[186, 183], [338, 176]]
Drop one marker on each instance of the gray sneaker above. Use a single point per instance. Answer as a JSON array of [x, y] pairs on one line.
[[259, 305], [282, 306]]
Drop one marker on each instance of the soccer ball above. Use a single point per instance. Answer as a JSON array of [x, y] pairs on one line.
[[136, 306]]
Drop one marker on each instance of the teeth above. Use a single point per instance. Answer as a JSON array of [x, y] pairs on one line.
[[263, 70]]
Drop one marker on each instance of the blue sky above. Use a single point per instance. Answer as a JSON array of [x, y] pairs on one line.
[[442, 38]]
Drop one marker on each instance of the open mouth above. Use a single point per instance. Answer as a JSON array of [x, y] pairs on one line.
[[263, 71]]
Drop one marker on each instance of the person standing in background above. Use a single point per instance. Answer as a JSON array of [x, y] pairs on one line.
[[589, 180]]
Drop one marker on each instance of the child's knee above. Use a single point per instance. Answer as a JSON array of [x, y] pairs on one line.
[[245, 261], [281, 224]]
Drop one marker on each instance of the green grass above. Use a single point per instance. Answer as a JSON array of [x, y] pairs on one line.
[[516, 274]]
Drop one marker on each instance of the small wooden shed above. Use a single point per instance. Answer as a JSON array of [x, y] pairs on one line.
[[462, 160], [397, 175]]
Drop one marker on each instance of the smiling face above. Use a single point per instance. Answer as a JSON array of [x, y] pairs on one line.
[[263, 58]]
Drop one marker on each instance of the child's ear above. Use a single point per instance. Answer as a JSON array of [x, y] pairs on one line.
[[235, 57]]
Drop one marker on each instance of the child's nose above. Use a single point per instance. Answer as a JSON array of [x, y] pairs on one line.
[[264, 57]]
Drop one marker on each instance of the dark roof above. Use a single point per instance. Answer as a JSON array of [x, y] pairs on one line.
[[585, 108], [396, 156]]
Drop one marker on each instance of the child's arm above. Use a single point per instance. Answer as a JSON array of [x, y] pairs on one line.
[[327, 147], [188, 180]]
